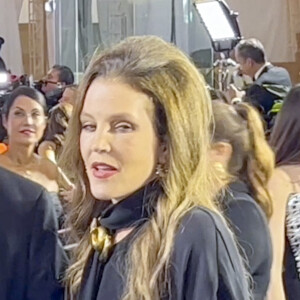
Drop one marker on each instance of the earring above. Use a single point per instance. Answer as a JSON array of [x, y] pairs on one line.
[[161, 170]]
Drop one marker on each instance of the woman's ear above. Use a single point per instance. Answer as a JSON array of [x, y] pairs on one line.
[[163, 154], [221, 152]]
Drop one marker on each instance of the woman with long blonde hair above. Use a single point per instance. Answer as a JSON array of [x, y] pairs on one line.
[[143, 213]]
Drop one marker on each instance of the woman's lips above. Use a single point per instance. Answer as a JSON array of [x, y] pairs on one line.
[[103, 171], [27, 132]]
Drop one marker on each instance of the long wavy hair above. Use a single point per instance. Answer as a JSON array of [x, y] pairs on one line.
[[183, 120], [286, 132], [252, 158]]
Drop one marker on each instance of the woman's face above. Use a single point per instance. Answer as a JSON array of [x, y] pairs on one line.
[[26, 121], [118, 142]]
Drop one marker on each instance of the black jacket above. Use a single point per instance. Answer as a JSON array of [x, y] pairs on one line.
[[250, 226], [204, 264], [30, 256], [260, 96]]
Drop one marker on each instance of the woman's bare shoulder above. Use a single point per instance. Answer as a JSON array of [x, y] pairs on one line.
[[48, 167], [279, 176]]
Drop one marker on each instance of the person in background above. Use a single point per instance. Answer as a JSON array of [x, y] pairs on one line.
[[59, 117], [143, 126], [246, 162], [55, 82], [284, 184], [270, 83], [58, 76], [24, 118], [31, 256]]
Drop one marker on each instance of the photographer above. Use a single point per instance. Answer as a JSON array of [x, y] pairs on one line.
[[270, 83], [56, 80]]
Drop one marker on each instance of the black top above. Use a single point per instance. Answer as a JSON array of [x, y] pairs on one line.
[[291, 270], [31, 258], [291, 277], [205, 263], [250, 225]]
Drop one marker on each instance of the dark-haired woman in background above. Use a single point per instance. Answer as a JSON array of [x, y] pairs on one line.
[[285, 140], [242, 154], [25, 120]]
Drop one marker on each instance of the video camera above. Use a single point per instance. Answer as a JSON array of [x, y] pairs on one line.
[[9, 82]]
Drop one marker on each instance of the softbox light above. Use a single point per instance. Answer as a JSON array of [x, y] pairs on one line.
[[221, 23]]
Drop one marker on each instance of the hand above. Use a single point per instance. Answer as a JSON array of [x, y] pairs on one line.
[[233, 92]]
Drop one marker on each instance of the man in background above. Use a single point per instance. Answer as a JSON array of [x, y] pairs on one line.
[[270, 83], [58, 76], [56, 80]]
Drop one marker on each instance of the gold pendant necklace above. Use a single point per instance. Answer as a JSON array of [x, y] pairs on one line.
[[101, 241]]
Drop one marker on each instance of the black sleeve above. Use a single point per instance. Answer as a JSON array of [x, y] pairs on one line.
[[204, 255], [46, 258], [260, 98], [251, 229]]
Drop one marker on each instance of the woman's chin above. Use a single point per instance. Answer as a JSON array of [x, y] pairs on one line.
[[102, 196]]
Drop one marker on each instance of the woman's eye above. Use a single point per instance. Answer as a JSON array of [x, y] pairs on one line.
[[18, 113], [123, 127], [88, 127], [36, 115]]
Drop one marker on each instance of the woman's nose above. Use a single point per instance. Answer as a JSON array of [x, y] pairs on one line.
[[29, 119], [102, 142]]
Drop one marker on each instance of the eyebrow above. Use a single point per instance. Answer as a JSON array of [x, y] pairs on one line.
[[20, 108], [115, 116], [84, 114]]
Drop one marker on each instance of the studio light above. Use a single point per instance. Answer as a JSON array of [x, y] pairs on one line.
[[221, 23], [3, 78]]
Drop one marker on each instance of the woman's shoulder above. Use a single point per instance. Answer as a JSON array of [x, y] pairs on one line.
[[290, 172], [239, 201], [205, 245], [201, 225], [238, 193], [280, 173], [280, 182], [48, 167]]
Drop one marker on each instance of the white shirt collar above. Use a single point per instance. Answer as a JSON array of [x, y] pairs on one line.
[[260, 70]]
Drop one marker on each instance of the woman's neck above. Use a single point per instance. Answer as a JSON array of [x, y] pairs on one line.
[[20, 154]]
